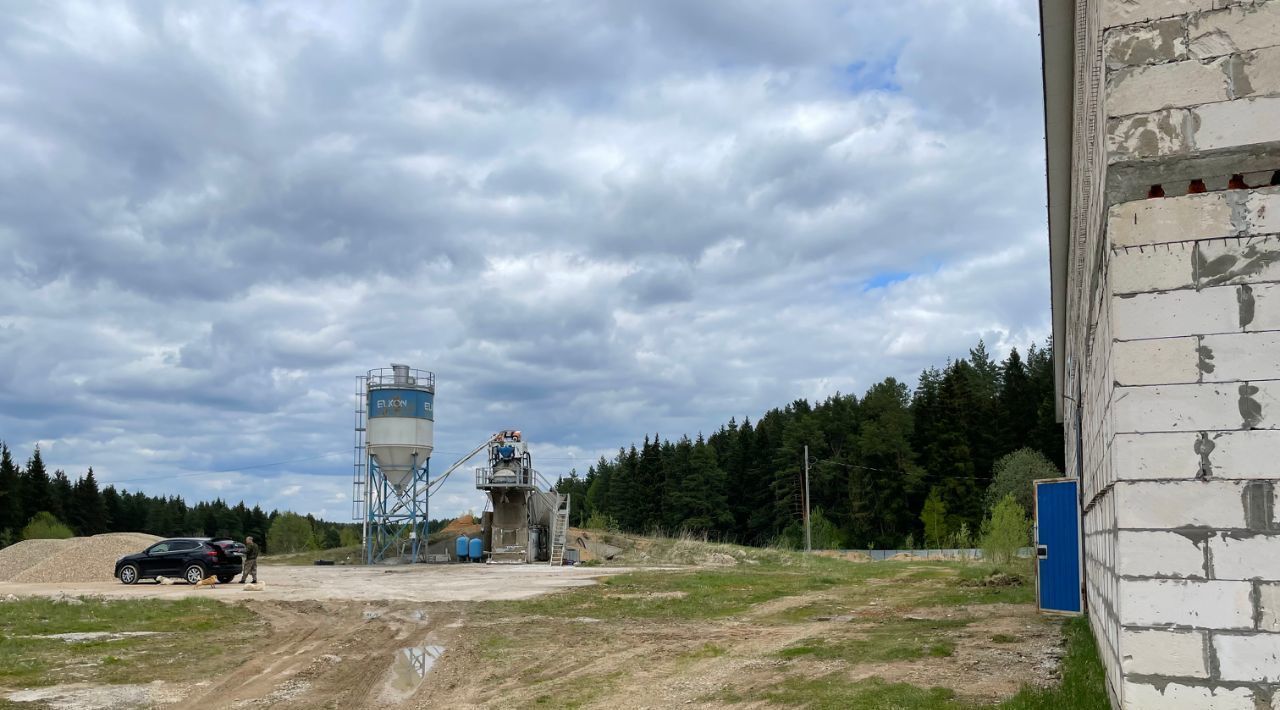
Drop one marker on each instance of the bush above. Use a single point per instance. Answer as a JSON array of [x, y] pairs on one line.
[[44, 526], [600, 521], [290, 532], [349, 537], [1013, 474], [1004, 531]]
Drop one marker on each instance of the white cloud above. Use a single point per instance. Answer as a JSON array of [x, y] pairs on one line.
[[592, 221]]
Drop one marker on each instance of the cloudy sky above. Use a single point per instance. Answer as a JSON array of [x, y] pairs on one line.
[[591, 220]]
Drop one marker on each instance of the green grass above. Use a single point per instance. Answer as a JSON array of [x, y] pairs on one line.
[[889, 640], [191, 629], [1084, 681], [1005, 638], [355, 555], [835, 692], [725, 592], [1083, 687]]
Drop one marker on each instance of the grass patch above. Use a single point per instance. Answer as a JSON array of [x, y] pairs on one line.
[[342, 555], [1005, 638], [899, 640], [1083, 687], [707, 650], [1084, 680], [199, 633], [835, 692]]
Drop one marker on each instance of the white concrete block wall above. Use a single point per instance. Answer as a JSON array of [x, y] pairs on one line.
[[1173, 351]]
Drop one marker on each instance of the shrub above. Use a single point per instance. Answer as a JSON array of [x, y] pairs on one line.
[[1013, 474], [44, 526], [290, 532], [1004, 531], [600, 521]]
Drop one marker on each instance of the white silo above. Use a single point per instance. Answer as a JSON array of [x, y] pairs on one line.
[[395, 424]]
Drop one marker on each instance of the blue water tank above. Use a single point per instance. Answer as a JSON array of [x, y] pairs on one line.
[[461, 548], [477, 549]]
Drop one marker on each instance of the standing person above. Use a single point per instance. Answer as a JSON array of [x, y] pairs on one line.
[[251, 552]]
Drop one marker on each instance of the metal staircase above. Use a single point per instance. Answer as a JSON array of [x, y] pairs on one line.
[[559, 531]]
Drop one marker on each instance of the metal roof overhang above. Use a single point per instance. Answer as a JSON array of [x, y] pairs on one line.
[[1057, 49]]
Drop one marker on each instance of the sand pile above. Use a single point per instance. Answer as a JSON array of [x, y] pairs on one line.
[[462, 524], [78, 559]]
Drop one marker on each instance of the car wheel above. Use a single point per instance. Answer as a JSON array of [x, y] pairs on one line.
[[129, 574], [194, 574], [226, 578]]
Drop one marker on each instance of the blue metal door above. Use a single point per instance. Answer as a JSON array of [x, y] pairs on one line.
[[1058, 545]]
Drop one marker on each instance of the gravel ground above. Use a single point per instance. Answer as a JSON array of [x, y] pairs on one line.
[[78, 559], [18, 557]]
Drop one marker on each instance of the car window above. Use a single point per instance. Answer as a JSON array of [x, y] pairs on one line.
[[183, 545], [158, 548]]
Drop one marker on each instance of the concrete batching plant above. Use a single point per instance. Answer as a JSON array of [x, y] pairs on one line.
[[529, 521]]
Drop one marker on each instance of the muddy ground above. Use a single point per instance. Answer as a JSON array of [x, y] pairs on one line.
[[362, 638]]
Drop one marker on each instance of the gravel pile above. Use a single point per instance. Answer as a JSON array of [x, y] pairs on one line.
[[79, 559], [16, 558]]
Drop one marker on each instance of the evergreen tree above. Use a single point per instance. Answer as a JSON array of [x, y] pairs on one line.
[[114, 509], [11, 519], [62, 495], [87, 513], [884, 475], [37, 489], [1016, 413]]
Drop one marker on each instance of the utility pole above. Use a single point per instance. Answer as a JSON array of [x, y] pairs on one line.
[[808, 537]]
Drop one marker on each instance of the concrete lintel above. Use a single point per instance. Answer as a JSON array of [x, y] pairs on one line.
[[1130, 180]]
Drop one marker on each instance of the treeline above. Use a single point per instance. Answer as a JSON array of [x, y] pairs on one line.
[[87, 509], [874, 461]]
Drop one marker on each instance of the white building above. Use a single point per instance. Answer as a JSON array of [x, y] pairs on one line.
[[1166, 314]]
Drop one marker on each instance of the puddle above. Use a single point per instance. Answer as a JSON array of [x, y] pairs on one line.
[[410, 668]]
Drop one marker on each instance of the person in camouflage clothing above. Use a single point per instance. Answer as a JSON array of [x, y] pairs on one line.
[[251, 552]]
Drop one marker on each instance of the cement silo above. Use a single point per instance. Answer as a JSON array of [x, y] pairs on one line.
[[395, 420]]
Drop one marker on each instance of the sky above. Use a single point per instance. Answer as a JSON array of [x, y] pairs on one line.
[[592, 221]]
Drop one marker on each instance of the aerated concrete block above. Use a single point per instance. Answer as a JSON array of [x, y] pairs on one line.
[[1175, 696], [1125, 12], [1144, 89], [1171, 456], [1269, 603], [1254, 658], [1236, 261], [1222, 309], [1159, 554], [1179, 504], [1153, 362], [1233, 123], [1241, 454], [1153, 43], [1240, 357], [1188, 603], [1162, 267], [1149, 135], [1245, 555], [1168, 653], [1173, 219], [1257, 73], [1197, 407], [1241, 27]]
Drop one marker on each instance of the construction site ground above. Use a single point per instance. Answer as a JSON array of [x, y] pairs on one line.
[[740, 629]]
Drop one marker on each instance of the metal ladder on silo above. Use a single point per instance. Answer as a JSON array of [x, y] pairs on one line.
[[359, 476], [559, 531]]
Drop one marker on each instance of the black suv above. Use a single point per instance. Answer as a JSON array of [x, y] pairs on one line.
[[191, 558]]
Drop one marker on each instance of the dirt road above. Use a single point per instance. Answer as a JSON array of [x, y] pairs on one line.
[[421, 583]]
